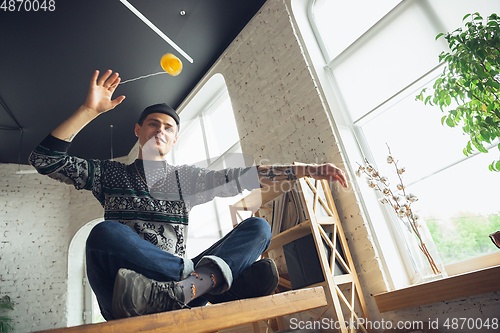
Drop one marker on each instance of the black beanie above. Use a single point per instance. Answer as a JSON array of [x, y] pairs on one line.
[[160, 108]]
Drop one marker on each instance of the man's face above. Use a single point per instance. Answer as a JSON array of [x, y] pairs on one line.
[[157, 135]]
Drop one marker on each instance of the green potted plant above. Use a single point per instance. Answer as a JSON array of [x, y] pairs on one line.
[[6, 324], [471, 78]]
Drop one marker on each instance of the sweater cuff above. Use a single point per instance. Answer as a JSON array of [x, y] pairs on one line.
[[55, 144]]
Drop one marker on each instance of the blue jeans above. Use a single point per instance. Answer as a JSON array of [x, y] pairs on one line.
[[112, 245]]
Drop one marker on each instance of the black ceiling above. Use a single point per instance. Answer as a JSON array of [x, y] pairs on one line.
[[47, 59]]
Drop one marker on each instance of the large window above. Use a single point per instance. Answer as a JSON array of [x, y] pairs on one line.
[[208, 138], [379, 56]]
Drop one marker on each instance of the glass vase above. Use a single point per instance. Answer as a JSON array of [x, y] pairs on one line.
[[423, 254]]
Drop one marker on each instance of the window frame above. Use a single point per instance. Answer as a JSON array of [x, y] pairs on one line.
[[481, 262]]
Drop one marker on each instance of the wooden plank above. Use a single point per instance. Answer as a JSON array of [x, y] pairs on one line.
[[285, 283], [212, 318], [463, 285], [343, 279], [298, 231]]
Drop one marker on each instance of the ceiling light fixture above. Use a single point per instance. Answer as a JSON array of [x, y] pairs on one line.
[[155, 29]]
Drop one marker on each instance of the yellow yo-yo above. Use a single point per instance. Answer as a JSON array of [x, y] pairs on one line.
[[171, 64]]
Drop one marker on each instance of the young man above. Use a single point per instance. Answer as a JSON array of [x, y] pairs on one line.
[[136, 258]]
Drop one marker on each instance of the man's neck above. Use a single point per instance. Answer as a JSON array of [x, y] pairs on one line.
[[149, 157]]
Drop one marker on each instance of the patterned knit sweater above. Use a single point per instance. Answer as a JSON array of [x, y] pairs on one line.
[[159, 213]]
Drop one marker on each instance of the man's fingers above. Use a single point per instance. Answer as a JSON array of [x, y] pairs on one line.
[[343, 179], [104, 77], [339, 176], [93, 80], [111, 80], [118, 100], [115, 83]]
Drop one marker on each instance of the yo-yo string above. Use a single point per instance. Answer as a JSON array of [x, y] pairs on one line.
[[142, 77]]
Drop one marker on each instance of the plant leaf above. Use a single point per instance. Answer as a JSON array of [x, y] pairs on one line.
[[6, 306], [443, 119], [448, 100], [450, 122]]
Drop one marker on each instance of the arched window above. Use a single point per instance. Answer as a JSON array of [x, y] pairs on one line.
[[208, 138]]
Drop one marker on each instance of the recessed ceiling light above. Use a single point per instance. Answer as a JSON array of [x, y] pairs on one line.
[[182, 13]]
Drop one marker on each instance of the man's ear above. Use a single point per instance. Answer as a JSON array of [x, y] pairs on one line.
[[137, 129]]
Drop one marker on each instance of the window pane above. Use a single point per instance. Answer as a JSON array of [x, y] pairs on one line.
[[399, 53], [452, 19], [352, 18], [414, 133], [459, 203], [220, 126], [203, 229], [460, 206], [190, 148]]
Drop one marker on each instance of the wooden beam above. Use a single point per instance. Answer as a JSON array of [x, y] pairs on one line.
[[463, 285], [289, 235], [212, 318]]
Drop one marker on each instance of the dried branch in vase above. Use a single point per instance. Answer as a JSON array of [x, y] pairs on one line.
[[399, 200]]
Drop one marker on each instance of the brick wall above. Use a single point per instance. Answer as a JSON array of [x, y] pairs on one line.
[[34, 242], [38, 218], [281, 118]]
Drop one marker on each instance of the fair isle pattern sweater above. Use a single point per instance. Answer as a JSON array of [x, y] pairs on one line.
[[158, 213]]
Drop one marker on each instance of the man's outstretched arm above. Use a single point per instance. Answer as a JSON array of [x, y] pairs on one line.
[[272, 175], [98, 101]]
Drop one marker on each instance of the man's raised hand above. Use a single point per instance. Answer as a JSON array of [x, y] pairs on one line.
[[101, 91]]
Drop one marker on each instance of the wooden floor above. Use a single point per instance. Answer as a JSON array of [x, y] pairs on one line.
[[214, 317]]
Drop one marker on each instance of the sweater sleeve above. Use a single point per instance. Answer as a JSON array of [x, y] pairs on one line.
[[209, 184], [50, 158]]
